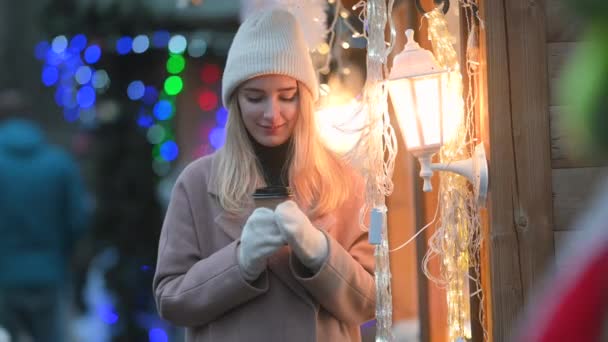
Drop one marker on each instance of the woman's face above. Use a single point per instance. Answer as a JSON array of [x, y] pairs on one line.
[[269, 105]]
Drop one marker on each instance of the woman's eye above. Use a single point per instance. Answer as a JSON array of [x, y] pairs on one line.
[[288, 99], [254, 99]]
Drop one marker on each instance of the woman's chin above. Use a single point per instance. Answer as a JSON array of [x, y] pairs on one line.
[[271, 141]]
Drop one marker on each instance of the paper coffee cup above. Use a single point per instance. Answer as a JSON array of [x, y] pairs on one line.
[[270, 197]]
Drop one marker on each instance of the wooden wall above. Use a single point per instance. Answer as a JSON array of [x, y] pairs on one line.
[[537, 186], [514, 119]]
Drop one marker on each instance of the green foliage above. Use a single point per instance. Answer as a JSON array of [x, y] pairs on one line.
[[584, 91]]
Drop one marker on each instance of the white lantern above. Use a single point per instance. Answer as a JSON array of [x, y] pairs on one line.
[[419, 92], [417, 86]]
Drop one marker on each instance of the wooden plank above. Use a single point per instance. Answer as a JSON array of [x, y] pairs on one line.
[[518, 133], [531, 135], [559, 150], [500, 266], [572, 191], [562, 25]]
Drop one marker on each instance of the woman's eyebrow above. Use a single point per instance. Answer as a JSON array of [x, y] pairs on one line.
[[262, 91], [256, 90]]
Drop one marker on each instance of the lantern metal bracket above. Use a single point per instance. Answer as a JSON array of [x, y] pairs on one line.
[[445, 6], [475, 169]]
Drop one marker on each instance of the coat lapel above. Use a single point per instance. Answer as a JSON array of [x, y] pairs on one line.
[[232, 224]]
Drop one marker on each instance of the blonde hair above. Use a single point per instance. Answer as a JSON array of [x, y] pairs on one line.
[[316, 175]]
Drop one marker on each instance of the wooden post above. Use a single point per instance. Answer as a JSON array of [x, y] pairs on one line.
[[515, 129]]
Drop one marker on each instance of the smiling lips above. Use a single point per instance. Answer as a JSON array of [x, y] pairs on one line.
[[271, 129]]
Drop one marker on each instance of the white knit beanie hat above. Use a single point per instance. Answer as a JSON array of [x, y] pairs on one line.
[[268, 42]]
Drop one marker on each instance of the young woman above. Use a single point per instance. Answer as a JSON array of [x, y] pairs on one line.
[[301, 272]]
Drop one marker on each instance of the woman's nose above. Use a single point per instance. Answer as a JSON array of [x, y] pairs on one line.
[[272, 110]]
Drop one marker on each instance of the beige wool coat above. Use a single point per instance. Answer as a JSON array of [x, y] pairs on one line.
[[198, 283]]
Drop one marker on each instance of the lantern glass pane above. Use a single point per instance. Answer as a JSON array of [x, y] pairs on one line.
[[428, 92], [405, 111]]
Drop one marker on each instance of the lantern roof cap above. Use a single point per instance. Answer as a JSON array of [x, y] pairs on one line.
[[413, 61]]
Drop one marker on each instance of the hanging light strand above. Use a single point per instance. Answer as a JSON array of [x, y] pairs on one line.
[[374, 154], [457, 240]]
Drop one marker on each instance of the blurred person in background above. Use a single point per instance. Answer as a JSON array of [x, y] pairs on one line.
[[302, 271], [42, 213], [572, 303]]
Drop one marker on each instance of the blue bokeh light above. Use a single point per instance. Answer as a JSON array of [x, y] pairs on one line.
[[65, 97], [53, 58], [83, 74], [169, 150], [157, 335], [92, 54], [160, 39], [107, 314], [78, 42], [123, 45], [145, 121], [141, 43], [86, 97], [41, 50], [178, 44], [50, 75], [163, 110], [59, 96], [71, 114], [59, 44], [135, 90], [72, 61], [217, 137], [100, 79], [65, 77], [221, 116], [197, 47], [150, 95]]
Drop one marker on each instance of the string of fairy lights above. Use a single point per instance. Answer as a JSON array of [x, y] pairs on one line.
[[71, 66]]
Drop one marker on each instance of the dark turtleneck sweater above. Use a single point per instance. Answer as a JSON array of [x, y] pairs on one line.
[[273, 161]]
